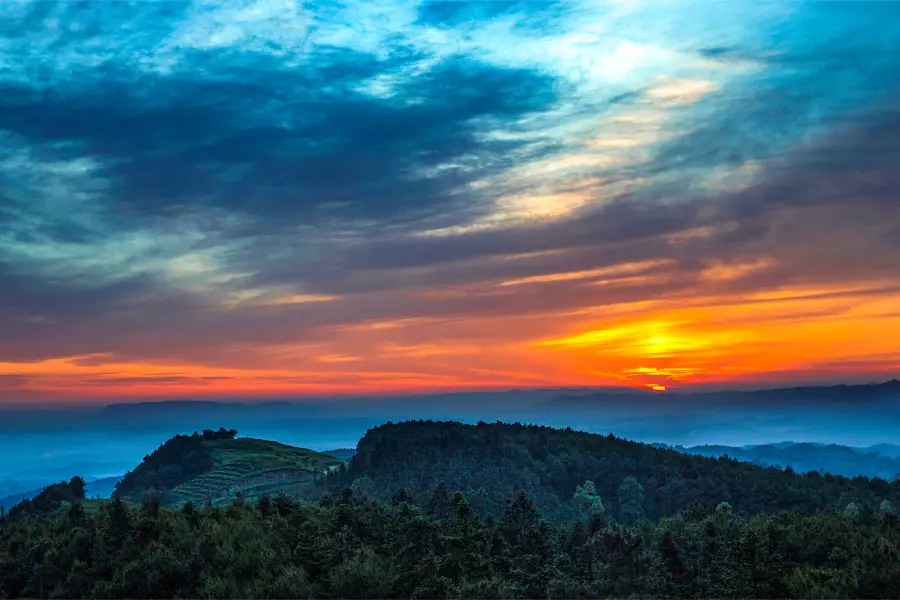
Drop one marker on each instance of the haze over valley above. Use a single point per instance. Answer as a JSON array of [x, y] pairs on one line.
[[39, 447]]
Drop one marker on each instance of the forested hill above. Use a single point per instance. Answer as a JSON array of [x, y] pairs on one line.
[[214, 467], [347, 545], [490, 463]]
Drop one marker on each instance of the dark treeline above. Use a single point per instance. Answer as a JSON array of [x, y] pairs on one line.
[[355, 547], [492, 462]]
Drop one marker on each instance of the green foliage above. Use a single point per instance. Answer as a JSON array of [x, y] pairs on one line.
[[490, 463], [772, 534], [588, 501], [51, 498], [356, 548], [214, 467], [631, 500], [174, 462], [851, 510]]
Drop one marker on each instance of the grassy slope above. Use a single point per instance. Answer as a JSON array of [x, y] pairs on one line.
[[255, 467]]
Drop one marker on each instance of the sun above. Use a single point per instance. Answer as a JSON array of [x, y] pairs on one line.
[[658, 388]]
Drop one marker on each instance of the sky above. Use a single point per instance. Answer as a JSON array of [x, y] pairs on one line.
[[276, 198]]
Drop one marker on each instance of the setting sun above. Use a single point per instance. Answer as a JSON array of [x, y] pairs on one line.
[[501, 204]]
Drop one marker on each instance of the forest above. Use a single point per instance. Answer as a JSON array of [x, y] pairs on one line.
[[492, 462], [352, 546], [595, 517]]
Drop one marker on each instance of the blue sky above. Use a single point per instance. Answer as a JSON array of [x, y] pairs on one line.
[[221, 196]]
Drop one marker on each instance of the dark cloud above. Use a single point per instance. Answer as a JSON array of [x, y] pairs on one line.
[[54, 319], [142, 316], [316, 169], [796, 209], [277, 143]]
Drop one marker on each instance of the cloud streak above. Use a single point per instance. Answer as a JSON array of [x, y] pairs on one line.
[[301, 198]]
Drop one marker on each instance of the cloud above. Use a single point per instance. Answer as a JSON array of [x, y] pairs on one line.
[[217, 145], [224, 184]]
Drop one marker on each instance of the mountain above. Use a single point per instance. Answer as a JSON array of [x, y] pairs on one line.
[[492, 462], [891, 450], [837, 394], [215, 466], [341, 453], [102, 488], [8, 502], [850, 415], [39, 446], [716, 527], [804, 457]]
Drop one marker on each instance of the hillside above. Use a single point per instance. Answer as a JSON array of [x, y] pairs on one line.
[[348, 546], [492, 462], [216, 466]]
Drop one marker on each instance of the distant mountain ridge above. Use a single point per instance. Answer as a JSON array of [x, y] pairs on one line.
[[876, 461], [888, 390], [342, 453]]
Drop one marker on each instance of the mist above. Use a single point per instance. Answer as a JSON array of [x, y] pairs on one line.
[[43, 445]]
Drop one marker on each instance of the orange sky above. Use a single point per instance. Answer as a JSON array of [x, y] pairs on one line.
[[778, 337], [402, 199]]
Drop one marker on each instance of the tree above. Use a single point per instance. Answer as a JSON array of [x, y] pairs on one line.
[[77, 488], [439, 501], [676, 572], [404, 494], [264, 506], [631, 500], [588, 500], [364, 488]]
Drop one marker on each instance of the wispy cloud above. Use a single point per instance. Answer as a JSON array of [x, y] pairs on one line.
[[365, 195]]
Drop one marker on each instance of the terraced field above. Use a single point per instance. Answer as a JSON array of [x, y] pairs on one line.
[[252, 467]]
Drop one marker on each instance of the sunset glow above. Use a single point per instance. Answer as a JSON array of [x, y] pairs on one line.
[[657, 197]]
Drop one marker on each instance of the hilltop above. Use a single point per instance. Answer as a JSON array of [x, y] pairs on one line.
[[215, 466], [490, 463]]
